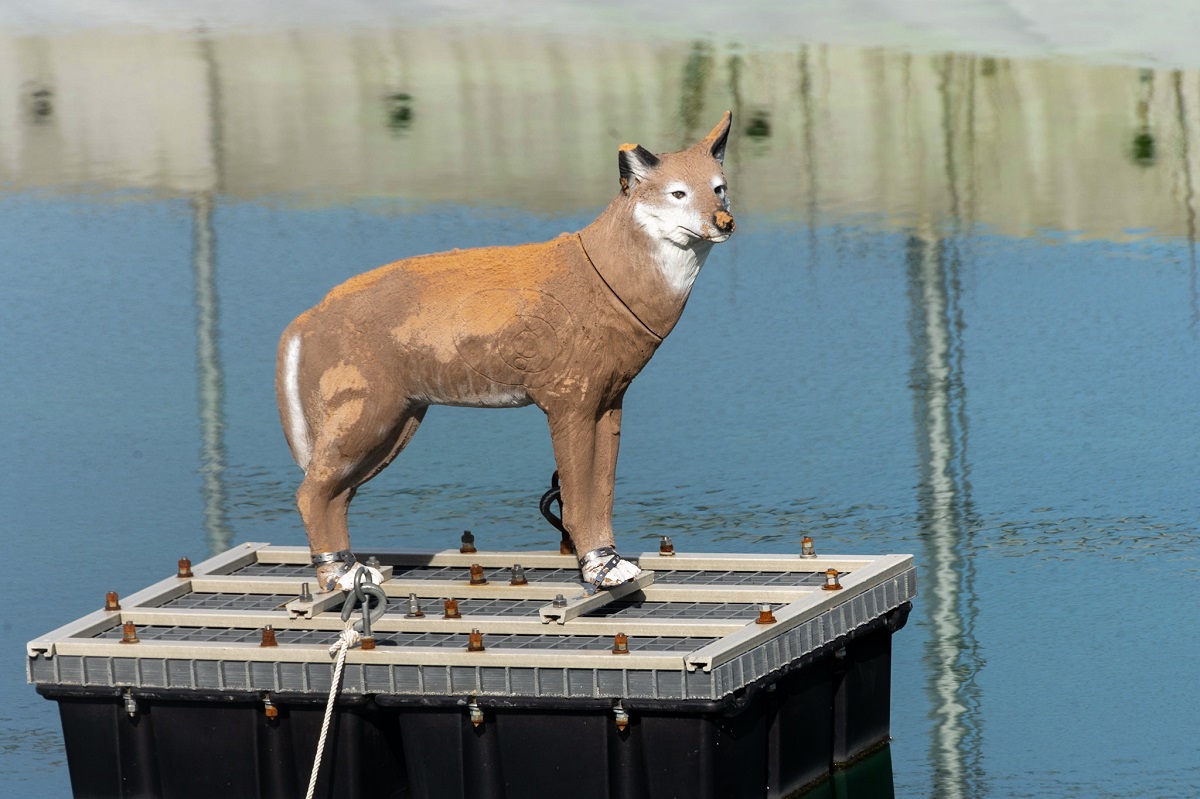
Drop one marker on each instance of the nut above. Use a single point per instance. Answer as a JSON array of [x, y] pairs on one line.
[[475, 641], [518, 575]]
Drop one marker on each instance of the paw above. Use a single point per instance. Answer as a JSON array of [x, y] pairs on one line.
[[337, 576], [622, 572], [346, 581]]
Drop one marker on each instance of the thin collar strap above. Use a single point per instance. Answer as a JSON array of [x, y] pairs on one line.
[[600, 274]]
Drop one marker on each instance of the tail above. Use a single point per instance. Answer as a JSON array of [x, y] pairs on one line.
[[290, 407]]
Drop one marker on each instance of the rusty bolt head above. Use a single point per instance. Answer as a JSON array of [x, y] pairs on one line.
[[765, 616], [475, 641], [620, 644], [271, 711], [477, 577], [111, 601], [129, 630], [268, 636], [666, 547], [185, 568], [807, 550], [468, 543], [367, 642], [831, 581], [622, 718], [451, 612], [518, 575], [476, 713]]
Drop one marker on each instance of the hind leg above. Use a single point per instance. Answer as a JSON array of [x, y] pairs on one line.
[[344, 456]]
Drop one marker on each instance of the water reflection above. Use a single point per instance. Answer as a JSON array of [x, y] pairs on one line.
[[947, 563], [323, 117], [211, 382], [210, 379], [1186, 125]]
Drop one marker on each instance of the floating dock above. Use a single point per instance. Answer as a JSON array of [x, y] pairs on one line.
[[728, 675]]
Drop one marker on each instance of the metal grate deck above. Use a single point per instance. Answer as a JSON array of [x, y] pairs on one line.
[[692, 627]]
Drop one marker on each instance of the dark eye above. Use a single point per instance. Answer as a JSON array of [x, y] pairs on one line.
[[679, 195], [720, 189]]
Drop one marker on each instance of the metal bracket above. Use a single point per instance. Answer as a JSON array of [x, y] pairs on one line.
[[578, 606], [323, 601]]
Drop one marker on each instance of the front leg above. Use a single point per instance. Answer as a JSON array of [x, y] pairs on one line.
[[585, 450]]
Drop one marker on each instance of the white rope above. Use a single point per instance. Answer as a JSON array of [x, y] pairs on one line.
[[348, 638]]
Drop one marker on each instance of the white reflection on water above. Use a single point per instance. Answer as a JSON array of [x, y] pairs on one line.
[[947, 568]]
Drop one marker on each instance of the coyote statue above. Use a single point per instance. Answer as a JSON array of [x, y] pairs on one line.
[[564, 324]]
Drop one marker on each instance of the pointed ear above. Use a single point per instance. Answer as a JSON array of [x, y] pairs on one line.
[[635, 162], [714, 142]]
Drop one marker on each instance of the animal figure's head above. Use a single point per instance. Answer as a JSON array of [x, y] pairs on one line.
[[680, 197]]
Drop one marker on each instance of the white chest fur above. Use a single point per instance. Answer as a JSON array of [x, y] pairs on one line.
[[681, 265], [678, 255]]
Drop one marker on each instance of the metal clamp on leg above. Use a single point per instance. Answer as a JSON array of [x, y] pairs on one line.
[[589, 559], [331, 566]]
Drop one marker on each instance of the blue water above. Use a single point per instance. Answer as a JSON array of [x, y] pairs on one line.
[[1016, 409], [1055, 546]]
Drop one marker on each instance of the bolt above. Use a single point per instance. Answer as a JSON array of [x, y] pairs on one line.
[[451, 609], [268, 636], [269, 709], [518, 575], [475, 641], [367, 642], [305, 593], [831, 581], [560, 601], [468, 543], [110, 601], [806, 548], [665, 547], [130, 704], [477, 577], [185, 568], [414, 608], [373, 562], [475, 712], [622, 718], [620, 644], [130, 633], [765, 616]]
